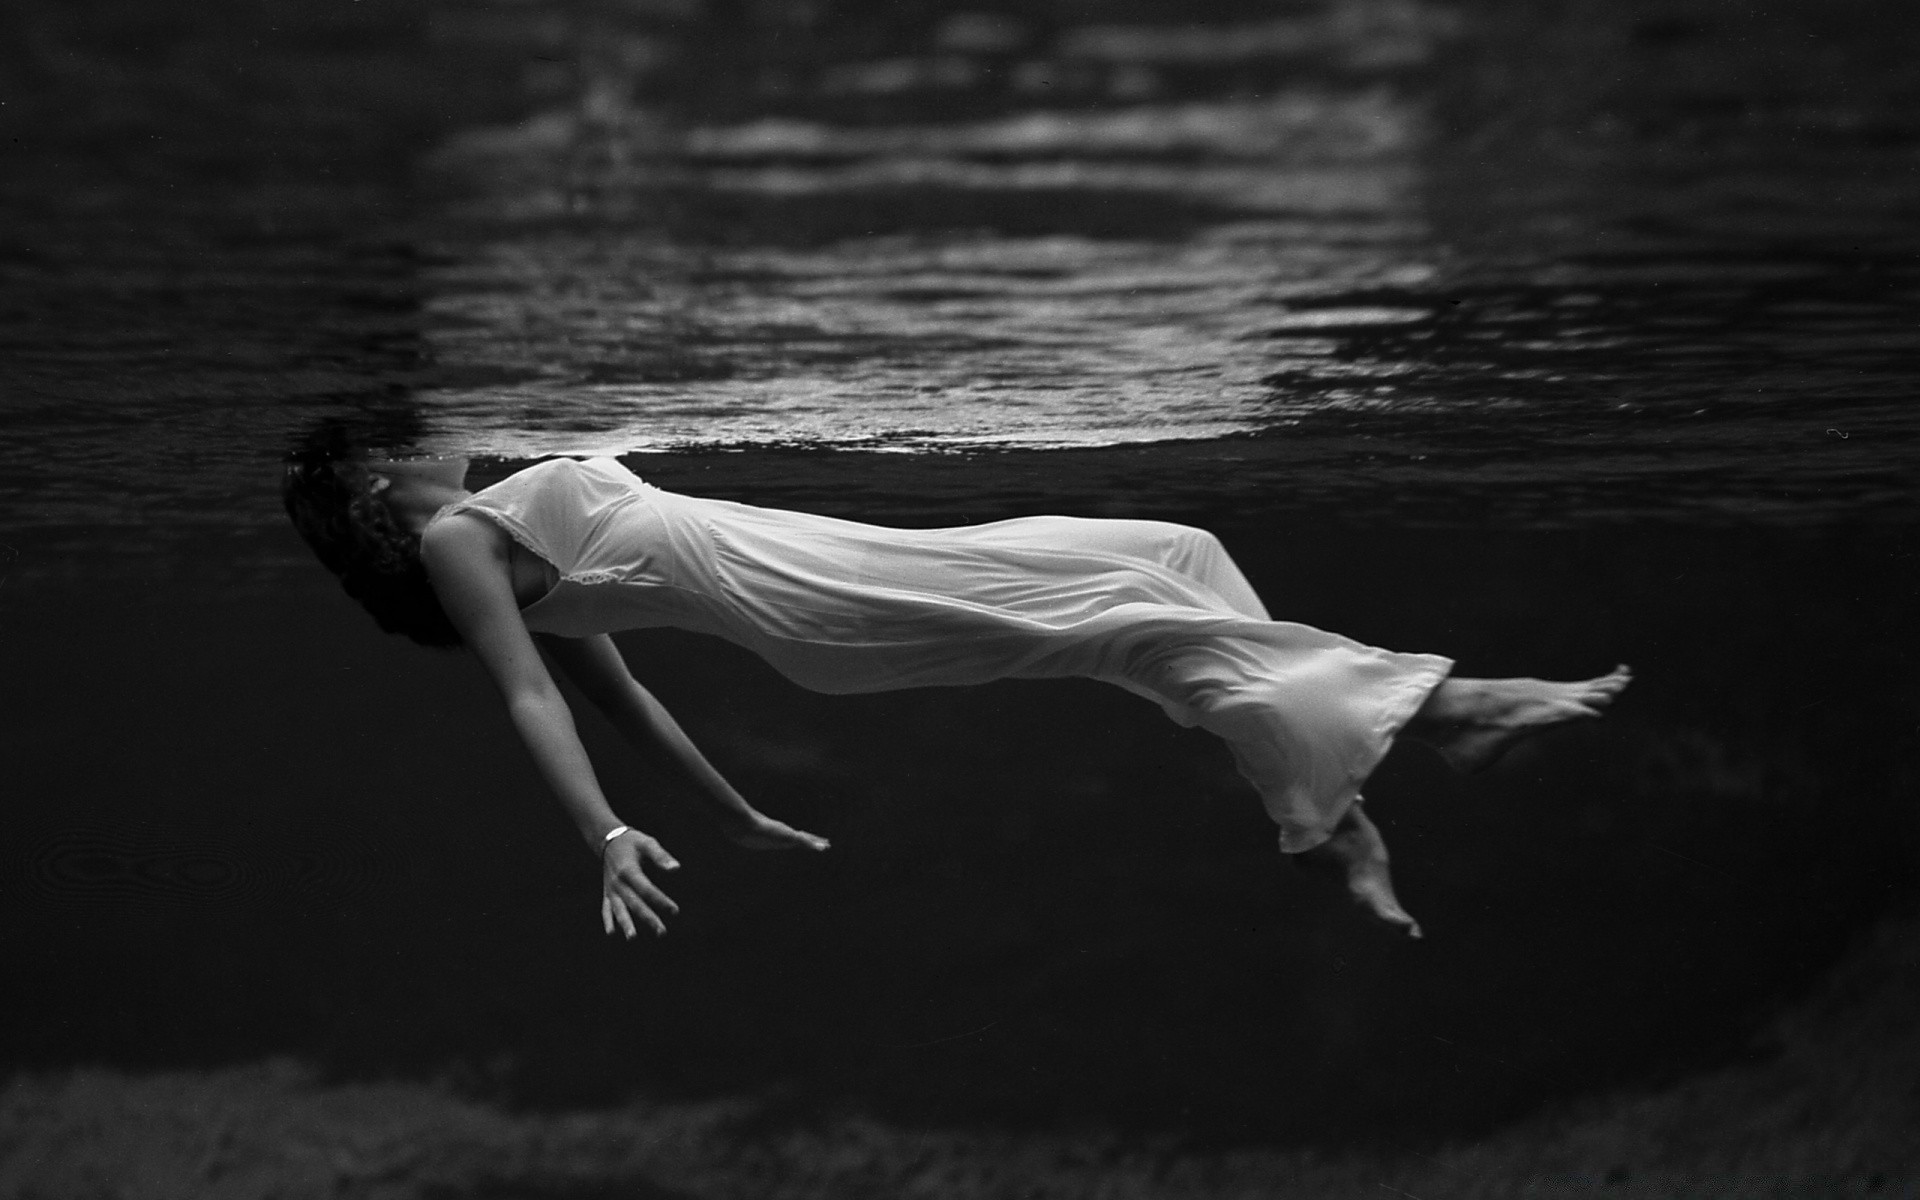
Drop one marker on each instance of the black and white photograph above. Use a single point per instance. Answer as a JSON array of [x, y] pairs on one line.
[[959, 599]]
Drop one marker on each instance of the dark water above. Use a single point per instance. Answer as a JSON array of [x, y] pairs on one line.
[[1539, 338]]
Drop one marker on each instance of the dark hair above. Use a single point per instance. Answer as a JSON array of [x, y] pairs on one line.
[[330, 498]]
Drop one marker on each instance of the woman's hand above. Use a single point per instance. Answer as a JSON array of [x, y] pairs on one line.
[[757, 831], [628, 898]]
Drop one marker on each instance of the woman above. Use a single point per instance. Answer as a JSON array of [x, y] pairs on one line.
[[565, 552]]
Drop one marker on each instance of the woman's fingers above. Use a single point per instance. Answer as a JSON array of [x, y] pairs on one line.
[[632, 896], [617, 906], [635, 911], [636, 907], [657, 854], [629, 899], [768, 834], [800, 839], [636, 880], [811, 841]]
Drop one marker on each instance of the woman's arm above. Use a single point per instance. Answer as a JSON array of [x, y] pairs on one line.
[[595, 665], [466, 559]]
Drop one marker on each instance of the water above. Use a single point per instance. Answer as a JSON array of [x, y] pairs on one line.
[[832, 308], [1462, 341], [976, 233]]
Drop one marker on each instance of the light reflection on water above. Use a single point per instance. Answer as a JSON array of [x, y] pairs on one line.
[[988, 233], [1186, 259], [898, 341], [961, 333]]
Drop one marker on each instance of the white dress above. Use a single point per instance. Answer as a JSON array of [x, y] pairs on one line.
[[839, 606]]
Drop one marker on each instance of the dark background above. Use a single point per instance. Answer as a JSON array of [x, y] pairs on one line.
[[238, 824]]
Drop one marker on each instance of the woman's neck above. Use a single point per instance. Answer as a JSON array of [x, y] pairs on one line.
[[414, 506], [416, 489]]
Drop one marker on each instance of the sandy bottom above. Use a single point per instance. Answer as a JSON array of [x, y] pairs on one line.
[[1827, 1107]]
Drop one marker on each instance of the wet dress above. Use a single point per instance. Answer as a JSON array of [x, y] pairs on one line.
[[839, 606]]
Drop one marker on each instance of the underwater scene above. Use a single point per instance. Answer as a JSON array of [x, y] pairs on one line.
[[1543, 336]]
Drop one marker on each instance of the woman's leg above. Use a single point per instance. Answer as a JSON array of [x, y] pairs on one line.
[[1199, 556], [1358, 855], [1472, 722], [1308, 715], [1192, 553]]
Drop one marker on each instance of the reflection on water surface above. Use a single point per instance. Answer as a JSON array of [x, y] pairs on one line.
[[1261, 234], [913, 286], [1267, 251]]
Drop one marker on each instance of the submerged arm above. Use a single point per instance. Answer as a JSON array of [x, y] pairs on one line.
[[594, 663], [467, 562]]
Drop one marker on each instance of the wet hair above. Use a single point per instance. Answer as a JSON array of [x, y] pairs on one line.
[[331, 500]]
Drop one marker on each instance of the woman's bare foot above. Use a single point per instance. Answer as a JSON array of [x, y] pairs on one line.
[[1472, 722], [1358, 854]]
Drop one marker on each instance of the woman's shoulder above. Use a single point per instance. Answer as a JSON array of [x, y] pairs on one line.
[[460, 532], [548, 473], [555, 490], [598, 467]]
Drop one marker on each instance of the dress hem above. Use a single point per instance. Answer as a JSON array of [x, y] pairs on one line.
[[1412, 693]]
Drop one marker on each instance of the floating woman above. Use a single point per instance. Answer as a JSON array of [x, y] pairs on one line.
[[565, 552]]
